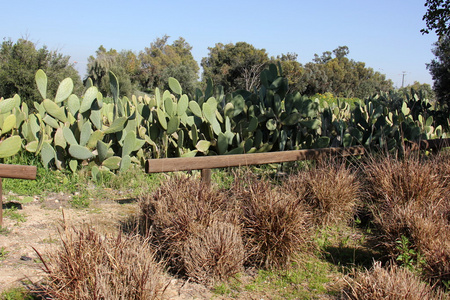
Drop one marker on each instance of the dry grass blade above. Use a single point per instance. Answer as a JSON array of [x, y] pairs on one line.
[[392, 283], [173, 212], [275, 224], [91, 266], [215, 253]]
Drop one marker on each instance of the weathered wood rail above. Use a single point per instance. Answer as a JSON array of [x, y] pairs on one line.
[[17, 172], [206, 163]]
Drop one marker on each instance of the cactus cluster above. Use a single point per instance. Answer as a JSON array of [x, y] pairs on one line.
[[68, 131]]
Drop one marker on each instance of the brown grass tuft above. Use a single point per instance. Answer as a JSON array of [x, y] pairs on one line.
[[411, 198], [215, 253], [392, 283], [275, 224], [174, 212], [91, 266], [333, 193]]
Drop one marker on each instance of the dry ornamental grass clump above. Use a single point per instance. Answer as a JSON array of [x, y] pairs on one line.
[[215, 253], [91, 266], [275, 224], [331, 190], [411, 198], [185, 215], [392, 283]]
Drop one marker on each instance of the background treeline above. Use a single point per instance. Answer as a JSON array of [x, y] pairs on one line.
[[232, 66]]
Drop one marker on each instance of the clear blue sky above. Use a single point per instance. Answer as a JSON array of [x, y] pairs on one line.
[[385, 34]]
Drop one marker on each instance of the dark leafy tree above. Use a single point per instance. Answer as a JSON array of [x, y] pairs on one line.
[[440, 72], [234, 66], [19, 63], [437, 17], [124, 65], [335, 73], [161, 61]]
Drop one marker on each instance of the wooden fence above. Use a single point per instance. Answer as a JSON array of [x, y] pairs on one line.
[[206, 163], [14, 171]]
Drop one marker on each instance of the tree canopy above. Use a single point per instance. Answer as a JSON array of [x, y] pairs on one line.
[[234, 66], [439, 69], [19, 63], [437, 17], [161, 61], [335, 73], [123, 64]]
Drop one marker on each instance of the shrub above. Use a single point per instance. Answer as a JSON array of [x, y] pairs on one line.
[[410, 198], [390, 284], [331, 190], [175, 211], [215, 253], [91, 266], [275, 224]]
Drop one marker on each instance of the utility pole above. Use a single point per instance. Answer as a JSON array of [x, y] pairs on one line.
[[403, 78]]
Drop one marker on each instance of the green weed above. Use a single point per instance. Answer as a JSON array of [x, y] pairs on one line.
[[3, 253], [13, 214], [17, 293], [4, 230], [408, 256], [80, 201], [308, 279]]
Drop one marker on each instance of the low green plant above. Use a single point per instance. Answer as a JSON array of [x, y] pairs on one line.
[[17, 293], [13, 214], [4, 230], [3, 253], [408, 256], [307, 279], [80, 201]]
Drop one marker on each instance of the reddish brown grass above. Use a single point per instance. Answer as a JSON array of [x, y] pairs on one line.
[[411, 198], [275, 224], [215, 253], [331, 190], [91, 266], [392, 283]]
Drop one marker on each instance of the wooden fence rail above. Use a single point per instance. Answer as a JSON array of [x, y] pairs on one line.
[[206, 163], [14, 171]]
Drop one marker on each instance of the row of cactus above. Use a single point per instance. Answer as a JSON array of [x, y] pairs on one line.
[[68, 131]]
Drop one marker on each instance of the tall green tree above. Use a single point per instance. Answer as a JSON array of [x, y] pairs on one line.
[[292, 70], [124, 64], [19, 63], [334, 72], [437, 17], [162, 60], [440, 72], [234, 66]]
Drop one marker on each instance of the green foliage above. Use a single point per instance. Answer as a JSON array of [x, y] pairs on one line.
[[439, 69], [3, 253], [342, 76], [19, 63], [161, 61], [14, 215], [234, 66], [408, 256], [437, 17]]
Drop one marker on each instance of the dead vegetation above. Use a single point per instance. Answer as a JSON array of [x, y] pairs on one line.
[[209, 235]]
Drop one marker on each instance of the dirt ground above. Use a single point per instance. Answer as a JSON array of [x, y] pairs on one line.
[[20, 264]]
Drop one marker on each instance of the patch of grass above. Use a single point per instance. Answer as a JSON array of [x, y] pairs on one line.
[[13, 214], [17, 293], [3, 253], [80, 201], [4, 230], [311, 278]]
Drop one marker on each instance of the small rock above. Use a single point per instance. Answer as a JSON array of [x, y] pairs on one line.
[[25, 258]]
